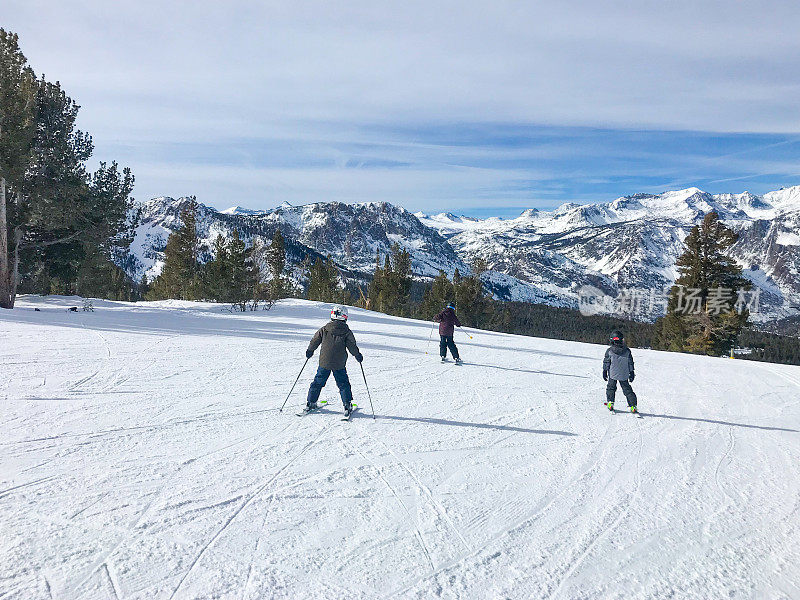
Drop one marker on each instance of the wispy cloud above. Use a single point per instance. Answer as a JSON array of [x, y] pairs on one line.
[[435, 105]]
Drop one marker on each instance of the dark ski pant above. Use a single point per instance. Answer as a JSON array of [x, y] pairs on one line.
[[611, 391], [321, 378], [445, 343]]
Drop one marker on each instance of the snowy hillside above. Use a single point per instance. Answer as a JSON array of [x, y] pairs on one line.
[[144, 457], [541, 256]]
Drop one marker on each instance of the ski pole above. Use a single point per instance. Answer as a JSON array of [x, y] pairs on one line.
[[430, 337], [364, 375], [468, 335], [294, 384]]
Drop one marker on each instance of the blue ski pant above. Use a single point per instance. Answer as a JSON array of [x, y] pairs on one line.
[[611, 391], [321, 378], [445, 343]]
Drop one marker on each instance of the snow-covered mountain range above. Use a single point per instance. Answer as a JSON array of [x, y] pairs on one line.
[[351, 234], [632, 243], [540, 256]]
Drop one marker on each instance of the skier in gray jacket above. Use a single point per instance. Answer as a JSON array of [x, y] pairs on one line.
[[336, 340], [618, 366]]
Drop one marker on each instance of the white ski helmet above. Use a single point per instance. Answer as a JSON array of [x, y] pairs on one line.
[[339, 313]]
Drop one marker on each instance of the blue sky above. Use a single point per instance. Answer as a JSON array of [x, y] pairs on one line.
[[476, 108]]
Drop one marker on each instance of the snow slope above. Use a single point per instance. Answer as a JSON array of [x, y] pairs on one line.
[[143, 456]]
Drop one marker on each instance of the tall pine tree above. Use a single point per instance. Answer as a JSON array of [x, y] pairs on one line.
[[215, 272], [390, 289], [276, 262], [436, 297], [701, 313], [55, 217], [179, 278], [239, 283], [323, 281], [17, 125]]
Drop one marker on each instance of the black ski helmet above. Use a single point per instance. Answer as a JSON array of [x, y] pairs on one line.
[[451, 305], [616, 337]]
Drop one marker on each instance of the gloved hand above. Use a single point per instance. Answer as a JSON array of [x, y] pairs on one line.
[[360, 357], [630, 379], [309, 353], [605, 375]]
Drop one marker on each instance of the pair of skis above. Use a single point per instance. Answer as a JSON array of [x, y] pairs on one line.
[[323, 404], [635, 410]]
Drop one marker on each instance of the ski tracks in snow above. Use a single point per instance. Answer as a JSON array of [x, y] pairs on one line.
[[578, 561], [442, 508], [500, 538], [242, 506], [424, 489], [420, 537], [102, 562]]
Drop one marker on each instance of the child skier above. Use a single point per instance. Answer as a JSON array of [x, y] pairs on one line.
[[618, 366], [336, 339], [448, 321]]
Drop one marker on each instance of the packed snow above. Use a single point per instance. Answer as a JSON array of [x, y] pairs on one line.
[[144, 457]]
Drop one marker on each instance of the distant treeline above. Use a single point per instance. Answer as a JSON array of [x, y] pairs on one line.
[[770, 347], [540, 320]]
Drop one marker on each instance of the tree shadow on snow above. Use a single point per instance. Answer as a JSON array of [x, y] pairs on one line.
[[178, 324], [191, 323], [525, 370], [434, 421], [715, 422]]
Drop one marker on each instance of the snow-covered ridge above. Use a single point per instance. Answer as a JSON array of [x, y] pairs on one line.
[[678, 205], [633, 242], [351, 234], [629, 242], [238, 210]]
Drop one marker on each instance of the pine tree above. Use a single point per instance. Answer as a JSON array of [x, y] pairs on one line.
[[144, 286], [390, 290], [375, 288], [276, 262], [258, 291], [713, 277], [323, 281], [179, 278], [400, 281], [471, 301], [386, 298], [17, 126], [479, 266], [436, 297], [215, 272], [238, 280]]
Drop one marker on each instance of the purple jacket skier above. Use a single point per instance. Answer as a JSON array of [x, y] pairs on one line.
[[448, 321]]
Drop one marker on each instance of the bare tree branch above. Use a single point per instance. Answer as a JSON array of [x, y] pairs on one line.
[[62, 240]]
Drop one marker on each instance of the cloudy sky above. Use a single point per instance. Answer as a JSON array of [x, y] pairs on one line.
[[482, 108]]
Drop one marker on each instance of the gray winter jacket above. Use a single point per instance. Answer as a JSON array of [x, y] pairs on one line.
[[336, 339], [618, 363]]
